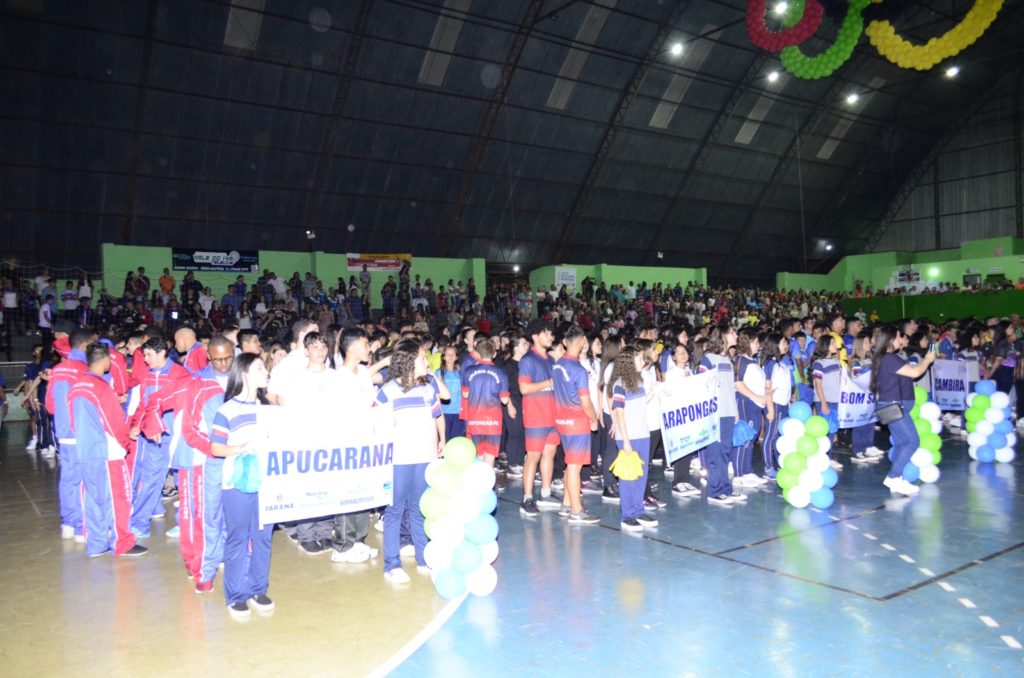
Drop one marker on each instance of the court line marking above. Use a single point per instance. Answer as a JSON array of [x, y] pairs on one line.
[[907, 559], [888, 547], [835, 520], [956, 570], [947, 587], [1011, 641], [926, 572], [29, 497], [968, 603], [420, 638], [988, 621]]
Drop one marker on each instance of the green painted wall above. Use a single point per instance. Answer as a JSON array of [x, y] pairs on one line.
[[940, 307], [621, 275], [119, 259]]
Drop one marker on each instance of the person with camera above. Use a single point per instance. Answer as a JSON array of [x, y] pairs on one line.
[[892, 382]]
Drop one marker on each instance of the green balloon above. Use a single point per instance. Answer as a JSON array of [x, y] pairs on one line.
[[807, 445], [936, 457], [971, 425], [981, 403], [460, 451], [428, 528], [816, 427], [931, 442], [433, 504], [923, 427], [915, 413], [785, 495], [920, 395], [788, 478], [795, 463], [973, 414], [447, 479]]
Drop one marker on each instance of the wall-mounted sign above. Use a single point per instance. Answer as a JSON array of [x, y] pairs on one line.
[[246, 261]]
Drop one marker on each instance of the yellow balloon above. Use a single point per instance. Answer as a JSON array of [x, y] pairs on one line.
[[903, 53]]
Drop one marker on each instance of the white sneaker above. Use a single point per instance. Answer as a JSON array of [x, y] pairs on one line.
[[407, 551], [396, 576], [67, 532], [874, 452], [424, 569], [738, 498], [31, 445], [835, 464], [900, 486], [379, 525], [720, 500], [79, 538], [695, 464], [732, 471], [754, 480], [352, 555], [741, 481]]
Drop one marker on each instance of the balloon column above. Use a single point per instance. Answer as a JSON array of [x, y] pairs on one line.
[[989, 424], [927, 418], [457, 508], [805, 477]]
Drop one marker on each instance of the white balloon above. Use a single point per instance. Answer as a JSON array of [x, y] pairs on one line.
[[785, 444], [793, 427], [817, 462], [976, 439], [489, 551], [429, 471], [824, 445], [970, 399], [1005, 455], [464, 506], [936, 427], [1000, 400], [811, 480], [478, 477], [985, 427], [972, 452], [1011, 439], [994, 415], [921, 458], [448, 532], [799, 496], [931, 411], [482, 580], [437, 556], [929, 474]]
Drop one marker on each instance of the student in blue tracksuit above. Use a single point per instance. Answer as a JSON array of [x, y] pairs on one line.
[[247, 545], [717, 455], [629, 419], [826, 374], [778, 375], [754, 403], [863, 437]]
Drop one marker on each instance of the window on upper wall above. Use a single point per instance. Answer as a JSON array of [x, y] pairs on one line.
[[243, 27]]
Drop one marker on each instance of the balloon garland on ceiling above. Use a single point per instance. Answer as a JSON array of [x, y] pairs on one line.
[[802, 18]]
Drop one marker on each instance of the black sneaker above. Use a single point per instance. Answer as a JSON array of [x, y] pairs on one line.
[[529, 508], [312, 548], [610, 495], [262, 603], [169, 492], [647, 520], [239, 610], [682, 489], [549, 502], [652, 502], [564, 511], [135, 551], [631, 525], [590, 487], [583, 518]]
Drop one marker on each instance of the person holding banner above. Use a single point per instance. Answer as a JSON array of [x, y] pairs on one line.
[[715, 359], [826, 370], [233, 437], [755, 406], [629, 407], [778, 386], [970, 354], [410, 403], [892, 382], [677, 375], [863, 437]]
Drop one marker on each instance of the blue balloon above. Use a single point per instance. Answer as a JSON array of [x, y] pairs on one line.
[[800, 410], [450, 583], [482, 529], [488, 502], [1004, 427], [986, 454], [997, 441], [466, 557], [985, 387], [822, 498], [830, 477], [911, 472]]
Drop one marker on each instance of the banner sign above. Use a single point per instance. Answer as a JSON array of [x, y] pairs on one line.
[[315, 467], [246, 261], [689, 419], [378, 262], [856, 401], [565, 275], [949, 384]]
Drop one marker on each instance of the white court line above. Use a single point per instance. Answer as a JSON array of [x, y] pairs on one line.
[[907, 559], [1011, 641], [868, 535], [34, 507], [988, 621], [926, 572], [851, 526], [967, 602], [419, 639], [946, 587], [888, 547]]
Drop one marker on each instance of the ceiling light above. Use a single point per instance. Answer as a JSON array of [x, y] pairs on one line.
[[515, 269], [852, 98], [828, 248], [773, 76], [676, 49], [952, 71], [780, 8]]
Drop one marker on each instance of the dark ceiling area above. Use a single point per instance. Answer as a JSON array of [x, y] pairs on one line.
[[519, 131]]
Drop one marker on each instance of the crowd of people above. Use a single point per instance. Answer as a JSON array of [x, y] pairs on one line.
[[551, 388]]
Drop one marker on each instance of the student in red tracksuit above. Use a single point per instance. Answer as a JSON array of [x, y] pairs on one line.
[[101, 435], [192, 352], [484, 391]]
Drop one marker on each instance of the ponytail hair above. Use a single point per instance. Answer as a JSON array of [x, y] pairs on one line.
[[883, 346]]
